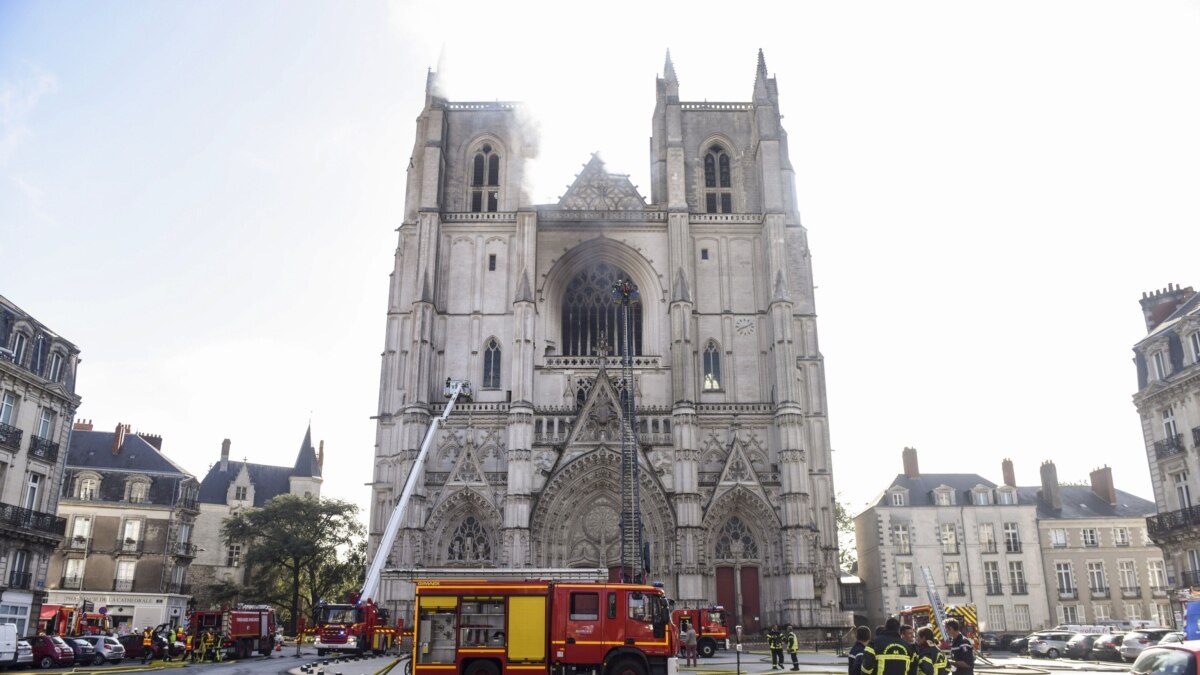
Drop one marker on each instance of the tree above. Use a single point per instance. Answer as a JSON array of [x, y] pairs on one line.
[[293, 542], [847, 553]]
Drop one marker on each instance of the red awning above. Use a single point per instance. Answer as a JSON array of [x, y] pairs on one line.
[[48, 611]]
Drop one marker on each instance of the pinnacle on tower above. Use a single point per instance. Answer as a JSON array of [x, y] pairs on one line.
[[669, 70], [760, 80]]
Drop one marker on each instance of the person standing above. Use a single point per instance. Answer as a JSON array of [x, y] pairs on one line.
[[862, 636], [690, 640], [962, 652], [147, 645], [930, 659], [887, 654], [189, 653], [793, 646], [775, 644]]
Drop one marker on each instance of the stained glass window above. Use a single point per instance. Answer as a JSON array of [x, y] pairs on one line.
[[469, 544], [736, 542], [588, 312]]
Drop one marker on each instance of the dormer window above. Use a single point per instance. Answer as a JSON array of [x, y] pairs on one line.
[[54, 372], [1006, 496], [1196, 347], [20, 344], [137, 490], [485, 180], [899, 498], [718, 192], [943, 496], [88, 488], [1160, 366], [240, 493], [981, 497]]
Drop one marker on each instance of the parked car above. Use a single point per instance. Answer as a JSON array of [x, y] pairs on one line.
[[1019, 645], [1107, 647], [1175, 658], [1048, 643], [24, 654], [1173, 636], [107, 649], [1080, 645], [50, 650], [133, 646], [1137, 640], [989, 641], [84, 650]]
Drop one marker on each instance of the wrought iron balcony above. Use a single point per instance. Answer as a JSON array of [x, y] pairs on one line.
[[46, 524], [78, 542], [1070, 593], [1190, 578], [73, 583], [1158, 591], [907, 590], [1020, 588], [130, 546], [125, 585], [184, 548], [995, 589], [19, 579], [954, 589], [10, 437], [1164, 524], [1131, 591], [1099, 592], [1171, 445], [43, 448], [988, 547]]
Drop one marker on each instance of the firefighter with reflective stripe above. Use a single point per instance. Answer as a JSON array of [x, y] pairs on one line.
[[147, 644], [962, 652], [793, 646], [862, 636], [188, 651], [206, 645], [887, 654], [930, 659], [775, 644]]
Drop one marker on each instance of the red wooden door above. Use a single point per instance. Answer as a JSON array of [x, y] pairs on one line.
[[725, 596], [751, 612]]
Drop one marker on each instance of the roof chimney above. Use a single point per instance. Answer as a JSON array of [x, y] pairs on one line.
[[225, 455], [119, 438], [1102, 485], [83, 425], [321, 454], [910, 463], [1158, 305], [1010, 477], [153, 439], [1050, 493]]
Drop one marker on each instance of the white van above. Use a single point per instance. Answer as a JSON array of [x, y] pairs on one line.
[[8, 643]]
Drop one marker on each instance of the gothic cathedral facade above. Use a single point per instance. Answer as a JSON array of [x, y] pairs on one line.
[[736, 489]]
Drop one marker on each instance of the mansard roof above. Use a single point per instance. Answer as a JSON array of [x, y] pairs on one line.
[[595, 189], [921, 488], [1080, 502], [94, 450]]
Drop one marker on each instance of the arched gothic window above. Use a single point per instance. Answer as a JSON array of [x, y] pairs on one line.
[[735, 542], [491, 365], [588, 310], [485, 180], [718, 192], [469, 544], [712, 366]]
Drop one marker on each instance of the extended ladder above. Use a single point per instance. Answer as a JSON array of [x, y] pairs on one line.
[[935, 601]]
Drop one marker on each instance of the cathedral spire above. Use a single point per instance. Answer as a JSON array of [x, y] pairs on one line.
[[668, 84], [669, 71], [760, 80]]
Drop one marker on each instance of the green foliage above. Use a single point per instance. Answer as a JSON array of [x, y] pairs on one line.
[[298, 550], [847, 554]]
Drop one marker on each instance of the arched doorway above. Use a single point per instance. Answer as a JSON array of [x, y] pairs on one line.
[[737, 558]]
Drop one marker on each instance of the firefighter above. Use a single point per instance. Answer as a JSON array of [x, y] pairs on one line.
[[206, 645], [930, 659], [147, 644], [962, 653], [775, 644], [887, 654], [793, 646], [188, 653], [862, 636]]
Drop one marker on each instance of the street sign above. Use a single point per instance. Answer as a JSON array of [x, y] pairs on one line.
[[104, 610]]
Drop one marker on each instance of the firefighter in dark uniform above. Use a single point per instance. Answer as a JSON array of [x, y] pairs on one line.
[[862, 636], [887, 654], [930, 659], [775, 644], [962, 652]]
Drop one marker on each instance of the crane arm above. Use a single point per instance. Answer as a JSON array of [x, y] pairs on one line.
[[454, 389]]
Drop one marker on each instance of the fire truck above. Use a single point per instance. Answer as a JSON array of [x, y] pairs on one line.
[[359, 624], [353, 627], [63, 620], [919, 616], [241, 631], [493, 626], [711, 632]]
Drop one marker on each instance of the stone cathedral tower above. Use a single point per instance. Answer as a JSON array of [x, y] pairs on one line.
[[736, 491]]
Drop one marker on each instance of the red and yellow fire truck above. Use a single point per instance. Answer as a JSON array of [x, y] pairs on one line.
[[64, 620], [486, 627], [356, 627], [919, 616], [242, 630], [711, 632]]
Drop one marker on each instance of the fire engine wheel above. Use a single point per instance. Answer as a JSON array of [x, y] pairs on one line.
[[482, 668], [707, 649], [627, 666]]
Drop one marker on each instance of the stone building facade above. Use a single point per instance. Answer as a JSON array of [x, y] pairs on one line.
[[736, 488], [37, 405], [131, 515], [230, 486], [1168, 403]]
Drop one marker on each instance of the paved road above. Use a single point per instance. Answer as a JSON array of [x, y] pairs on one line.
[[756, 663]]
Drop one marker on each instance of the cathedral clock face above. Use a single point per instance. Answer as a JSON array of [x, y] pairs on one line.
[[745, 326]]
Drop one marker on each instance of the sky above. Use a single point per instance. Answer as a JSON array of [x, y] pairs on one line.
[[204, 198]]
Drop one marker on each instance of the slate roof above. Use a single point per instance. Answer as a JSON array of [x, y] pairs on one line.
[[269, 481], [920, 489], [93, 450], [1079, 502]]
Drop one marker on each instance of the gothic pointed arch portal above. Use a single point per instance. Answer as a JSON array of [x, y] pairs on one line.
[[576, 520], [739, 529]]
